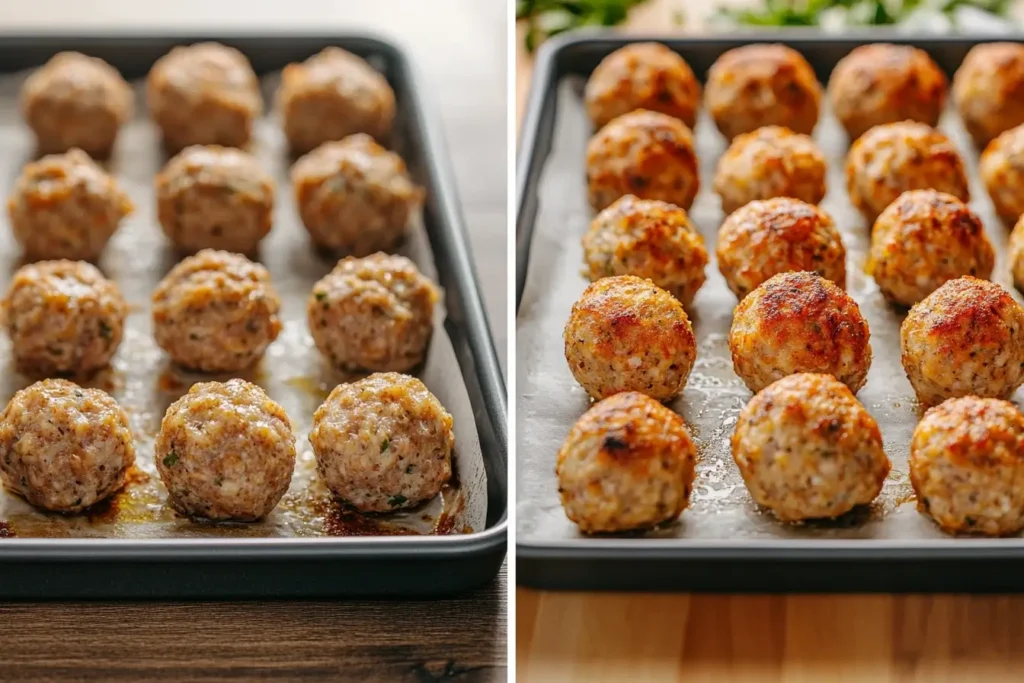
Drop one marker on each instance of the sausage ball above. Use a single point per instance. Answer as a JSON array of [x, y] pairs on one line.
[[646, 154], [354, 196], [76, 101], [374, 313], [627, 464], [332, 95], [799, 322], [1002, 170], [63, 317], [924, 239], [988, 89], [965, 457], [204, 94], [966, 338], [225, 451], [216, 312], [649, 239], [892, 158], [642, 76], [627, 334], [807, 449], [770, 162], [383, 443], [886, 83], [66, 206], [1015, 252], [212, 197], [765, 238], [762, 85]]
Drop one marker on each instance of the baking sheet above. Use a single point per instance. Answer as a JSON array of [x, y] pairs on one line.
[[550, 400], [144, 382]]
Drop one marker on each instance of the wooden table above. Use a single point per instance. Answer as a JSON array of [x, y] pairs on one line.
[[592, 638]]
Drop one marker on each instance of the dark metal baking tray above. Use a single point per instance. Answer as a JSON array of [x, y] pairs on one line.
[[188, 561], [724, 543]]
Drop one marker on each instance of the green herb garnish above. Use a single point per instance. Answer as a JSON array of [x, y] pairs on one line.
[[170, 459], [546, 18], [320, 296], [385, 444], [395, 501], [853, 12], [106, 331]]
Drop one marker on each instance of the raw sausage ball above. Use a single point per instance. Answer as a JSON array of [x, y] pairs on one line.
[[66, 206], [988, 89], [63, 317], [762, 85], [1002, 170], [383, 443], [886, 83], [627, 464], [332, 95], [76, 101], [765, 238], [799, 322], [212, 197], [627, 334], [1015, 252], [650, 239], [63, 447], [646, 154], [892, 158], [225, 451], [807, 449], [642, 76], [965, 459], [216, 312], [965, 338], [204, 94], [354, 196], [770, 162], [924, 239]]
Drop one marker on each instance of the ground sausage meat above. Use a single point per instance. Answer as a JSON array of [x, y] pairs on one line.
[[1015, 253], [988, 89], [1002, 170]]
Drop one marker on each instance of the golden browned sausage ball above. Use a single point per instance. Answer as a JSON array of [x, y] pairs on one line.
[[765, 238], [807, 449], [642, 76], [1015, 253], [965, 459], [988, 89], [886, 83], [649, 239], [770, 162], [1002, 170], [892, 158], [627, 464], [966, 338], [627, 334], [924, 239], [646, 154], [762, 85]]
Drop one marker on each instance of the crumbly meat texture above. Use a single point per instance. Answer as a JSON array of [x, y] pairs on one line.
[[988, 89], [1001, 168], [1015, 253]]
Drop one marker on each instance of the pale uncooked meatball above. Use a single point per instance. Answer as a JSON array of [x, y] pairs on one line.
[[66, 206], [204, 94], [886, 83], [765, 238], [213, 197], [1002, 170], [924, 239], [965, 459], [762, 85], [650, 239], [642, 76], [807, 449], [646, 154], [1015, 252], [627, 464], [770, 162], [988, 89], [383, 443], [76, 101], [966, 338], [627, 334], [354, 196], [892, 158], [332, 95], [216, 312], [64, 447], [799, 322], [225, 452], [63, 317]]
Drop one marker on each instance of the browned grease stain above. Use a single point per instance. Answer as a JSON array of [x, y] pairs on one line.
[[6, 531], [170, 382], [342, 521], [310, 386], [124, 506]]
